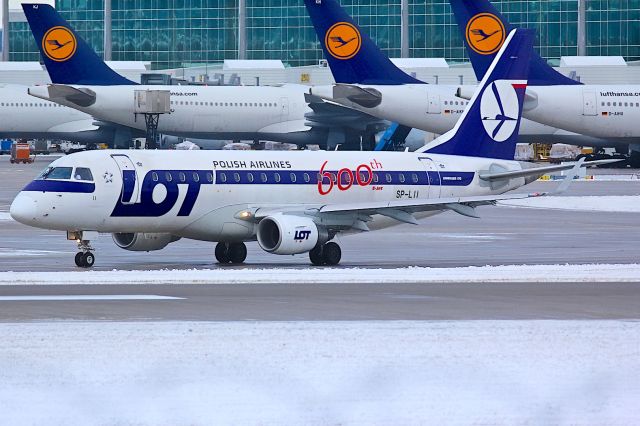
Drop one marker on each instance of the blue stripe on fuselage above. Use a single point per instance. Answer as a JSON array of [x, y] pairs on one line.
[[381, 178], [60, 186]]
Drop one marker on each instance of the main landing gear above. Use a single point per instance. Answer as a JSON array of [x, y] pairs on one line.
[[234, 253], [328, 254]]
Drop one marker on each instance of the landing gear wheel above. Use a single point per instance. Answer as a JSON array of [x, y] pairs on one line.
[[332, 254], [88, 259], [316, 257], [237, 253], [222, 253], [80, 260]]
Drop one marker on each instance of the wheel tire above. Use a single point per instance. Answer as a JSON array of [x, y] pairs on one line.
[[88, 259], [80, 260], [332, 254], [237, 253], [316, 257], [222, 253]]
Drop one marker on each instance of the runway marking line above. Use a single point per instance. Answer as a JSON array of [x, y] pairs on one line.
[[83, 298]]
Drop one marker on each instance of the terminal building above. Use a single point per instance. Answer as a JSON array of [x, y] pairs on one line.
[[172, 34]]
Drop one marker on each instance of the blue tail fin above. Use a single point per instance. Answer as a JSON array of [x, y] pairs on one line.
[[489, 126], [353, 57], [68, 58], [484, 30]]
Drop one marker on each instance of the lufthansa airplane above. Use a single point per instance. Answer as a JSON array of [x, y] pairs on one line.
[[81, 80], [290, 202], [369, 82], [24, 117], [611, 112]]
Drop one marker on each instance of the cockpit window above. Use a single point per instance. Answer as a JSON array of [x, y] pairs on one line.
[[57, 173], [82, 173]]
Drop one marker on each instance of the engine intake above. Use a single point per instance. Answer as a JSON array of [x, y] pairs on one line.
[[287, 235], [143, 241]]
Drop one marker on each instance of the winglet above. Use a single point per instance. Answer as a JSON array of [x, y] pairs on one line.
[[568, 179], [68, 58]]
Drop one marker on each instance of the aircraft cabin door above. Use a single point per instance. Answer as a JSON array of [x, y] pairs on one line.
[[434, 177], [284, 109], [590, 103], [434, 104], [130, 184]]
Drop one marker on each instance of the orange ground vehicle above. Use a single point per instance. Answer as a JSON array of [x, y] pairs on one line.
[[21, 153]]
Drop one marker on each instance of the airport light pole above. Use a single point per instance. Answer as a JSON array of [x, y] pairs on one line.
[[108, 27], [5, 30]]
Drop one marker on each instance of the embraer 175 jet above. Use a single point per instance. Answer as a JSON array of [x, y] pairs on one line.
[[84, 82], [609, 112], [290, 202], [369, 82]]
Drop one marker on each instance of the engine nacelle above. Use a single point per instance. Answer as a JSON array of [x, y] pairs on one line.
[[286, 235], [143, 241]]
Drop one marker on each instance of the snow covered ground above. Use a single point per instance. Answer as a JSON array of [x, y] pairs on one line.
[[621, 204], [489, 372], [515, 273]]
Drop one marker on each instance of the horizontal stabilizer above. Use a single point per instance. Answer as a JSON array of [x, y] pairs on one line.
[[539, 171], [64, 94]]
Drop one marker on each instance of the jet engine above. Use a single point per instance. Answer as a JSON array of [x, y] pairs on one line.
[[143, 241], [286, 235]]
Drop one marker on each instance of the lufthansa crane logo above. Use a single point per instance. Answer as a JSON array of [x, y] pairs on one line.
[[59, 44], [343, 41], [500, 109], [485, 34]]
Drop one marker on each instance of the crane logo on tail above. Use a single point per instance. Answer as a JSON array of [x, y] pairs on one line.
[[59, 44], [500, 109], [343, 41], [485, 34]]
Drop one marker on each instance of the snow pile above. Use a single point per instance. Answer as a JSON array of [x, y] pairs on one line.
[[620, 204], [515, 273], [484, 372]]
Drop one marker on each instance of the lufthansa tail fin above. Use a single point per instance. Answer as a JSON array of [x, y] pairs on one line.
[[484, 30], [68, 58], [489, 126], [353, 57]]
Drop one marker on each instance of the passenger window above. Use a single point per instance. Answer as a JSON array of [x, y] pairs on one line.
[[168, 177], [183, 178], [60, 173], [293, 178], [236, 176], [402, 178], [223, 177], [376, 178], [414, 178], [210, 177], [307, 178], [277, 177], [196, 177], [263, 177], [388, 178], [250, 177]]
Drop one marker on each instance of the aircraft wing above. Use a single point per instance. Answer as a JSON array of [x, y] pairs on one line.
[[61, 93], [329, 114], [75, 126]]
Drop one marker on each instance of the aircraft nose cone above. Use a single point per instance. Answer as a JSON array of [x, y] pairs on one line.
[[24, 209]]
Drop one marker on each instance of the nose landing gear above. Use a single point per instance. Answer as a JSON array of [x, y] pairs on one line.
[[85, 257], [329, 254]]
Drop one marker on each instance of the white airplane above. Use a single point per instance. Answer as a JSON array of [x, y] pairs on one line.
[[290, 202], [23, 117], [369, 82], [610, 112]]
